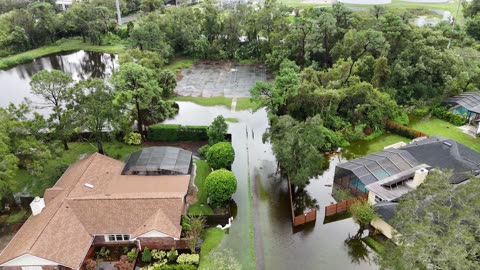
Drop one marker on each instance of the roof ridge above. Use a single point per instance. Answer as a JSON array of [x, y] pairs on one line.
[[62, 202]]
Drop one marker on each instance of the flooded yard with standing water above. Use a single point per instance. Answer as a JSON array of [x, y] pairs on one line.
[[262, 196]]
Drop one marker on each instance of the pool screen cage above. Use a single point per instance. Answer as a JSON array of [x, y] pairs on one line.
[[159, 161]]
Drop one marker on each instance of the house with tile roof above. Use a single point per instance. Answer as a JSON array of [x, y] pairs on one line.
[[95, 203], [389, 174]]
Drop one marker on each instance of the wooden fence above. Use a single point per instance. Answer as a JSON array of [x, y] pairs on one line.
[[342, 206], [303, 218]]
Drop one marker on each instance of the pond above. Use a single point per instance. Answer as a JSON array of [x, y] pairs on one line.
[[82, 65]]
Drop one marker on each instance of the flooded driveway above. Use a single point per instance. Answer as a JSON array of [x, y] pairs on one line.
[[277, 245], [220, 79]]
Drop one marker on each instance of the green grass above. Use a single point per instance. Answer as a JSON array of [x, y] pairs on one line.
[[16, 216], [25, 181], [232, 120], [245, 103], [180, 63], [251, 230], [437, 127], [211, 239], [207, 101], [374, 244], [72, 44], [203, 170], [365, 147]]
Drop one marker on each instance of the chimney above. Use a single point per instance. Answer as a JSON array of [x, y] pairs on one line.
[[37, 205], [419, 177]]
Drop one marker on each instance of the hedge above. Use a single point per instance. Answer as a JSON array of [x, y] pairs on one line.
[[173, 133], [402, 130], [447, 115]]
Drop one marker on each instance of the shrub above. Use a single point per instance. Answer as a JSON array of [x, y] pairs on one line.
[[158, 254], [123, 263], [447, 115], [188, 258], [220, 186], [217, 130], [185, 223], [132, 254], [195, 231], [403, 130], [146, 255], [204, 149], [172, 133], [221, 155], [103, 252], [90, 264], [172, 255], [133, 138]]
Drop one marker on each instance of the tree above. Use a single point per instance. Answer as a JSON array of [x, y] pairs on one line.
[[220, 155], [54, 88], [437, 226], [473, 27], [136, 86], [94, 109], [195, 231], [220, 186], [217, 130], [152, 5], [148, 36], [363, 213], [378, 11]]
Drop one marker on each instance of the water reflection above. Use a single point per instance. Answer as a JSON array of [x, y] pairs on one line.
[[14, 83]]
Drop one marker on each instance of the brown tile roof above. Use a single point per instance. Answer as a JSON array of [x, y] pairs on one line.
[[126, 204]]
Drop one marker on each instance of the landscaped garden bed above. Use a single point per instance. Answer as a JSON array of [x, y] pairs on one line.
[[109, 257]]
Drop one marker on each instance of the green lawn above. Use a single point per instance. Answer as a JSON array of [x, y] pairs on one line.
[[180, 63], [72, 44], [374, 244], [203, 170], [231, 120], [245, 103], [437, 127], [211, 239], [25, 181], [207, 101], [365, 147]]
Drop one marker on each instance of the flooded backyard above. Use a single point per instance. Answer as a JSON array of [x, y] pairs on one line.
[[262, 197]]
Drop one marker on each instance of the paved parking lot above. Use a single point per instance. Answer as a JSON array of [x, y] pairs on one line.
[[207, 80]]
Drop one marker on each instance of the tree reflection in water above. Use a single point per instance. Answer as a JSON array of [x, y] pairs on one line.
[[303, 201], [356, 249]]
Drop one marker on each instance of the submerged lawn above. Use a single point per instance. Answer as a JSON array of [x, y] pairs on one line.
[[211, 239], [207, 101], [437, 127], [65, 45], [365, 147], [26, 182], [203, 170]]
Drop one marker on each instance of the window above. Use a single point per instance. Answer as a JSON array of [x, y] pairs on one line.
[[378, 199], [118, 237], [31, 268]]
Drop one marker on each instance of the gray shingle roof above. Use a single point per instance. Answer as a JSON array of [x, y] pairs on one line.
[[386, 210]]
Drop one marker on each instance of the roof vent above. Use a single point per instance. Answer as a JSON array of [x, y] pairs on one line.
[[88, 185], [37, 205], [447, 144]]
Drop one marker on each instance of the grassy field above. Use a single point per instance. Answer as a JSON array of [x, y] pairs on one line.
[[245, 103], [211, 239], [180, 63], [72, 44], [231, 120], [203, 170], [207, 101], [437, 127], [374, 244], [365, 147], [27, 182]]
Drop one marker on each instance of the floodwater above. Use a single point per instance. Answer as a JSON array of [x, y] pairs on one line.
[[277, 245], [15, 82]]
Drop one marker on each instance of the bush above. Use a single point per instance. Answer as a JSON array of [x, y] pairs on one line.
[[177, 267], [146, 255], [172, 255], [132, 254], [362, 212], [133, 138], [220, 186], [204, 149], [221, 155], [103, 252], [158, 254], [447, 115], [188, 259], [173, 133], [217, 130], [403, 130]]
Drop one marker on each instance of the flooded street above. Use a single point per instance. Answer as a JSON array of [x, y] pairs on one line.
[[277, 245]]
